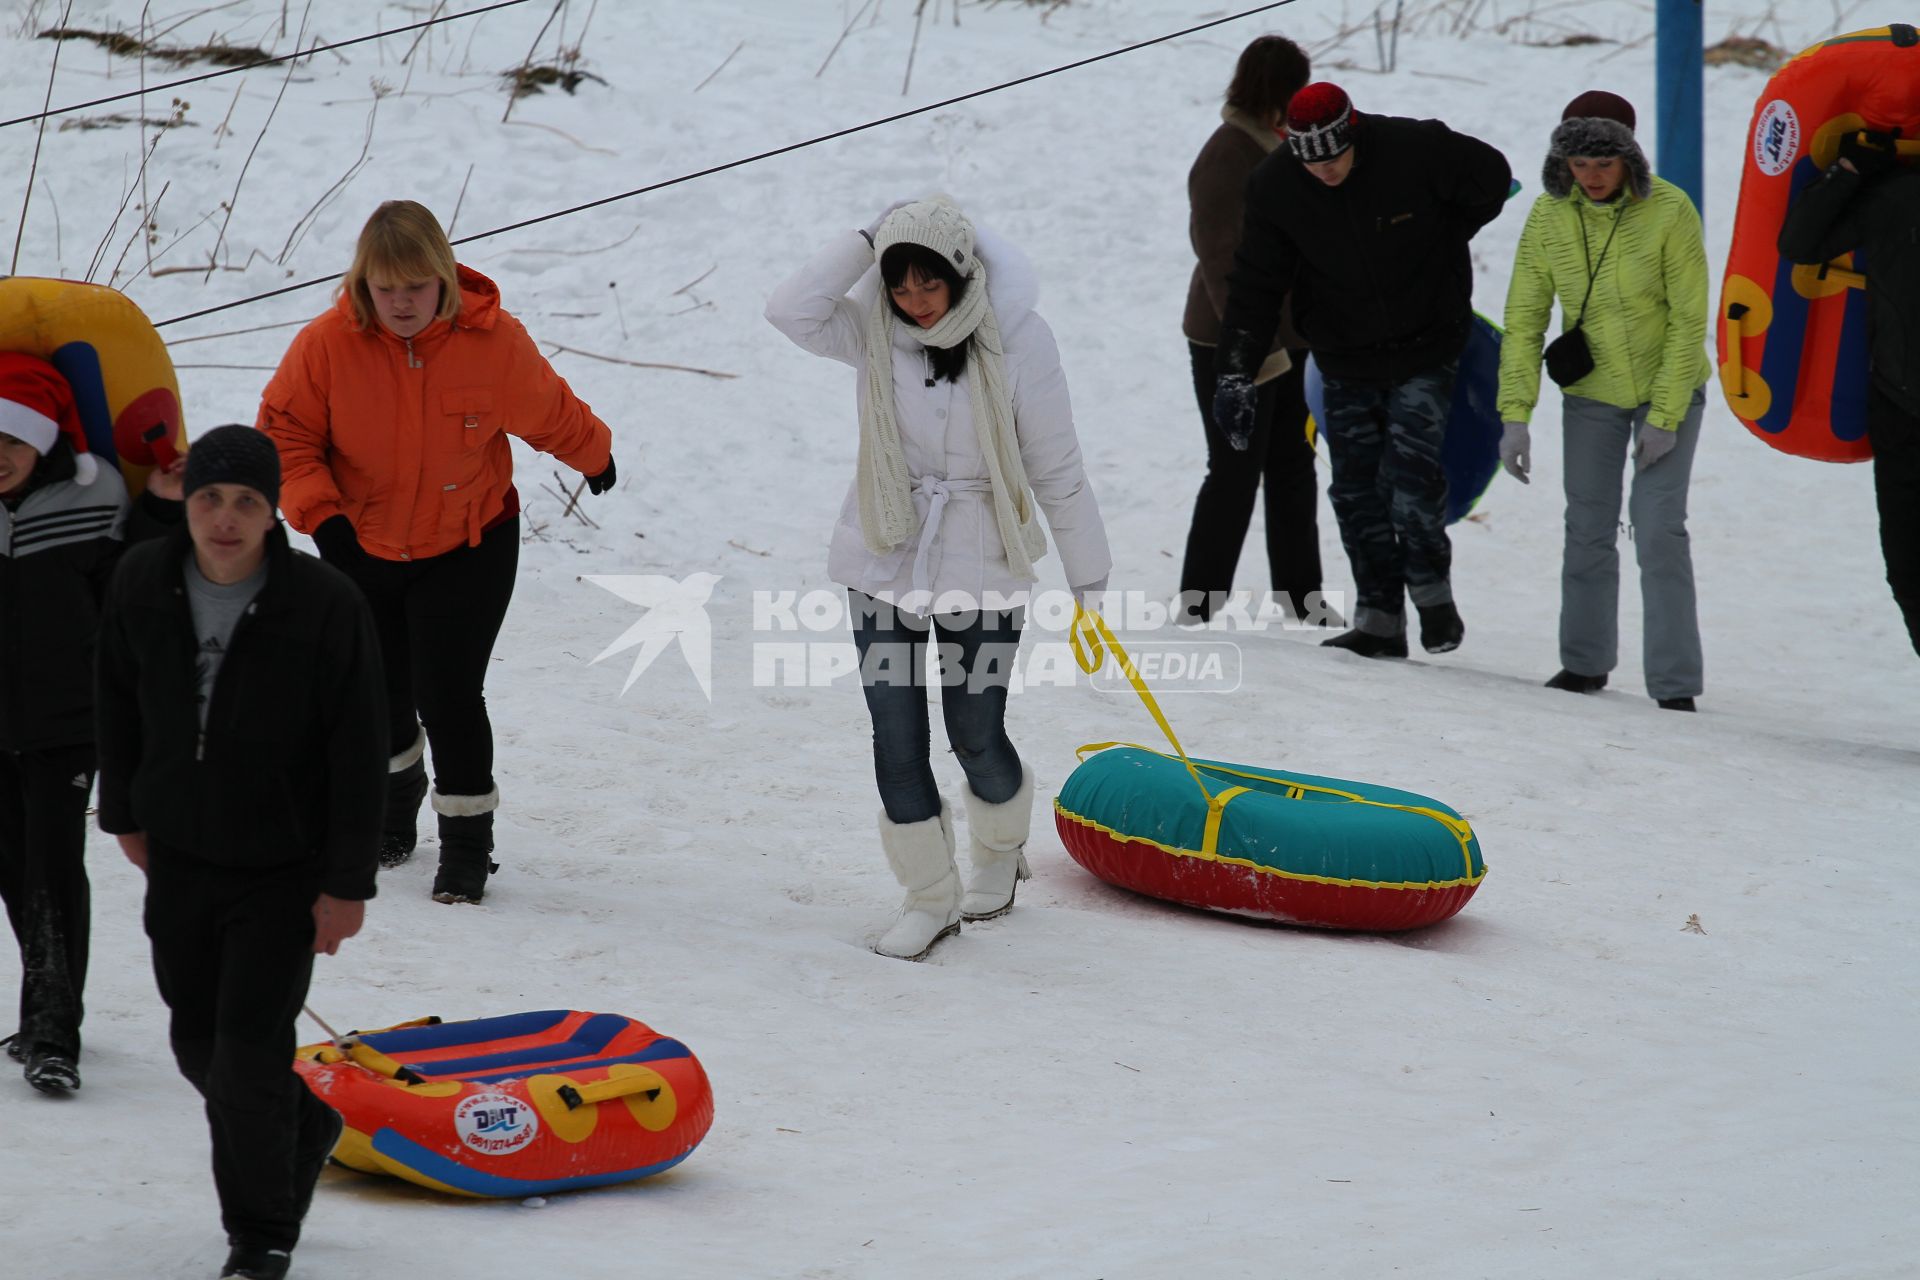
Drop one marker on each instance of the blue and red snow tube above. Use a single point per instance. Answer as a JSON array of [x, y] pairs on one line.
[[518, 1105]]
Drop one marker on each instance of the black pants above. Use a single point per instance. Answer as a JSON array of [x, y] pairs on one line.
[[971, 656], [437, 619], [1279, 455], [43, 879], [233, 953], [1895, 434]]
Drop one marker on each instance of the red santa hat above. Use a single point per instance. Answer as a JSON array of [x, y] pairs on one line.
[[37, 408]]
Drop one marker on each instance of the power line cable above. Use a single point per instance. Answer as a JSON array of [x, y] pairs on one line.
[[754, 159], [265, 62]]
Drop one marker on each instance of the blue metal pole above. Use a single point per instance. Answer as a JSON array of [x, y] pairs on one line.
[[1680, 66]]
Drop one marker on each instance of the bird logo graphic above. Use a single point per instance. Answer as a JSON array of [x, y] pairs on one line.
[[676, 613]]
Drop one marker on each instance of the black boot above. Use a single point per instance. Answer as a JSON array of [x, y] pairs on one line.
[[1368, 644], [466, 846], [319, 1136], [1574, 682], [1676, 704], [406, 788], [1441, 629], [52, 1072]]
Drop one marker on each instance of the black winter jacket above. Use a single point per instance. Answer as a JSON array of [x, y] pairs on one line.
[[59, 542], [1880, 217], [1378, 267], [292, 766]]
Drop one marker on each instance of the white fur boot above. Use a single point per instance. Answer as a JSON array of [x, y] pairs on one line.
[[921, 855], [998, 836]]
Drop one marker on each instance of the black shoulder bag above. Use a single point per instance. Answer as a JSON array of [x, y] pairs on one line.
[[1569, 359]]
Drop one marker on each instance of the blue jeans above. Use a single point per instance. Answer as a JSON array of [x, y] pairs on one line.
[[975, 659]]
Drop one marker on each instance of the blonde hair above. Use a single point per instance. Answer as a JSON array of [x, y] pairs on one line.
[[402, 242]]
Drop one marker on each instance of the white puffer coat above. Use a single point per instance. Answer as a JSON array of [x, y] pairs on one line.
[[823, 308]]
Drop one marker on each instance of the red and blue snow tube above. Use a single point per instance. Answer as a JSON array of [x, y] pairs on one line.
[[518, 1105], [1792, 339]]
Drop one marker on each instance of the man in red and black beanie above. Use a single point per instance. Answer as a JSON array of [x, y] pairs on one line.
[[1365, 221]]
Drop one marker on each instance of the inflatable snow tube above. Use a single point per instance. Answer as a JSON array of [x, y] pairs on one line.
[[1470, 452], [1290, 847], [1791, 341], [519, 1105], [110, 353]]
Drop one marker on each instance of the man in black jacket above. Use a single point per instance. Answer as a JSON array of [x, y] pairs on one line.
[[64, 520], [1365, 221], [1869, 202], [243, 754]]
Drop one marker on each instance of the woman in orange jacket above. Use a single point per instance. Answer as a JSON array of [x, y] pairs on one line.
[[391, 412]]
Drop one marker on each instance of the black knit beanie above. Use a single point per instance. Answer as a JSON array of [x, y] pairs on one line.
[[235, 455]]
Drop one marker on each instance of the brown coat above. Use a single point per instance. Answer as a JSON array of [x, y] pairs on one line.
[[1216, 195]]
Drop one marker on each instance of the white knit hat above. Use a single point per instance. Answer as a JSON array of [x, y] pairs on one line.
[[936, 224]]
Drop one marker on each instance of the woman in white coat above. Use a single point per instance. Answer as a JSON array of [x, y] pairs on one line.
[[965, 427]]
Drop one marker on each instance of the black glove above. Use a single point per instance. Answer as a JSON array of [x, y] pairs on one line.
[[599, 484], [1871, 152], [339, 544], [1235, 402]]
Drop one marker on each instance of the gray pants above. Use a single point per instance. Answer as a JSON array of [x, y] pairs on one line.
[[1598, 440]]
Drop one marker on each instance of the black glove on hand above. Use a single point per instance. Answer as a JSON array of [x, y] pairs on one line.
[[1871, 153], [599, 484], [339, 544], [1234, 408]]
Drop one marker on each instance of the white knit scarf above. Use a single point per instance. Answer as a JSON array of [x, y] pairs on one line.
[[887, 516]]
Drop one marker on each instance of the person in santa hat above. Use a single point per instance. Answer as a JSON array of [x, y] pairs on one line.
[[64, 520], [1365, 222]]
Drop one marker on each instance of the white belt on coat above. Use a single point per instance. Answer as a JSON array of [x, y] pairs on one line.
[[938, 490]]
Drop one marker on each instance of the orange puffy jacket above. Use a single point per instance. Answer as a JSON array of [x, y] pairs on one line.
[[408, 438]]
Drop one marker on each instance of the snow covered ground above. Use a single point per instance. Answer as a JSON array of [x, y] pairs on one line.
[[1562, 1081]]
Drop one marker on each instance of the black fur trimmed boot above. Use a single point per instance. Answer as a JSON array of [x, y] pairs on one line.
[[466, 846], [406, 788]]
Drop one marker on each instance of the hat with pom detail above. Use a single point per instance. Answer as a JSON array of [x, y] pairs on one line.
[[37, 408]]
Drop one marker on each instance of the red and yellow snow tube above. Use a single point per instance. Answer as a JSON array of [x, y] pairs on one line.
[[519, 1105], [1792, 340], [110, 353]]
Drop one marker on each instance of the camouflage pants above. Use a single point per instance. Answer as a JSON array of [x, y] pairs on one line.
[[1389, 492]]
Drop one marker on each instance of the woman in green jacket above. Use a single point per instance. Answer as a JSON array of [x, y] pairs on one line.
[[1622, 251]]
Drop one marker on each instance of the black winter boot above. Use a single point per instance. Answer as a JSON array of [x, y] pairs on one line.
[[1441, 629], [406, 788], [1574, 682], [466, 846], [1368, 644]]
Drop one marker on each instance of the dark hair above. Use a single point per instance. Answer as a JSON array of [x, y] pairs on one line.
[[1270, 71], [902, 260]]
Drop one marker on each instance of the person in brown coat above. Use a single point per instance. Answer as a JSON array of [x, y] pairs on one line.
[[1270, 71]]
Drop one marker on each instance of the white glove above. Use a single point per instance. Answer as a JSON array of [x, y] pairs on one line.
[[1089, 596], [1516, 450], [1655, 444]]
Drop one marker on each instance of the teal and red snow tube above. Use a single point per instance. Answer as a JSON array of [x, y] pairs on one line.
[[1290, 847]]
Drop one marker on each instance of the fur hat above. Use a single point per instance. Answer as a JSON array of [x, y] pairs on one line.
[[1320, 122], [235, 455], [37, 408], [935, 223], [1596, 125]]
